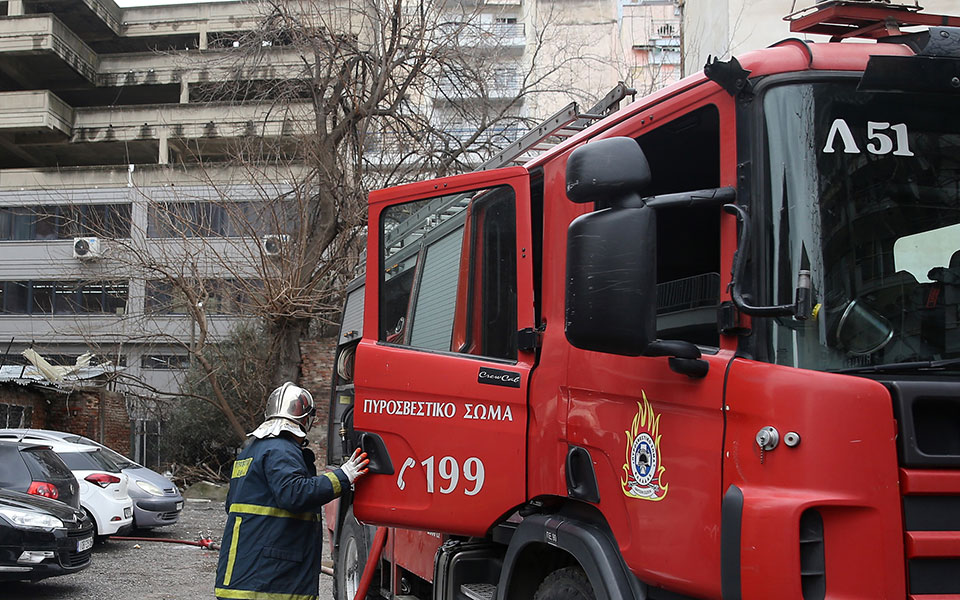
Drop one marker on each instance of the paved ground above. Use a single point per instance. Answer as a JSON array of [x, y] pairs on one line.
[[154, 571]]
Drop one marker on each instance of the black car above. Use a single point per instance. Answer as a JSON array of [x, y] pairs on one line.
[[34, 468], [41, 538]]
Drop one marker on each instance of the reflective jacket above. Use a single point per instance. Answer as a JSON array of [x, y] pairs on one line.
[[271, 544]]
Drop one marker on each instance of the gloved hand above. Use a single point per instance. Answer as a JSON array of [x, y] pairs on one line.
[[356, 465]]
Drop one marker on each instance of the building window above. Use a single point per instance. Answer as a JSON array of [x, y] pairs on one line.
[[16, 297], [222, 296], [26, 223], [226, 219], [63, 297], [14, 416], [165, 362]]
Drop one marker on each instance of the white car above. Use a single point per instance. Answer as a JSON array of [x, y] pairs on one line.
[[103, 488]]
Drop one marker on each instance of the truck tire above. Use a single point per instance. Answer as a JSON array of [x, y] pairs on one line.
[[351, 559], [568, 583]]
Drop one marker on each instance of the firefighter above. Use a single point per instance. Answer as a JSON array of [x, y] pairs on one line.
[[271, 544]]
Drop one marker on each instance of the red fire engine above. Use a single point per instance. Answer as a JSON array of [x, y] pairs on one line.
[[707, 347]]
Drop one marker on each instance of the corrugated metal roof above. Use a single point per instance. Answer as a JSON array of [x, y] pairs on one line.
[[27, 375]]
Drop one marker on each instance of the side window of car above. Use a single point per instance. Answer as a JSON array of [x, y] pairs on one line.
[[684, 155], [449, 280]]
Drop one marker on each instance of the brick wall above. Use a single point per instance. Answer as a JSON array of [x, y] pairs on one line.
[[316, 371], [78, 412], [116, 430], [18, 395]]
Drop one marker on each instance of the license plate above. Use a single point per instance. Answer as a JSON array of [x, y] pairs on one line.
[[179, 506], [127, 512], [84, 544]]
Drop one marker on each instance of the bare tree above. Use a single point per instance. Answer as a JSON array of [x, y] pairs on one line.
[[382, 92]]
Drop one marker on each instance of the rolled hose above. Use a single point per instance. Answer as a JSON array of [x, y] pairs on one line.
[[202, 543]]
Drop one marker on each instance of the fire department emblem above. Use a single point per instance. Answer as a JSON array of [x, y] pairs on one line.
[[643, 471]]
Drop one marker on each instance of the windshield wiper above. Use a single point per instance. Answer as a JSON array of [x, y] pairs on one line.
[[899, 367]]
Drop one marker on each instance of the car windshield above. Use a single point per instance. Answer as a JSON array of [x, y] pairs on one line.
[[866, 186], [89, 461]]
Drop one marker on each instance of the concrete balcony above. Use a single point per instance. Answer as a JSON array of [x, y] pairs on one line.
[[184, 19], [188, 122], [494, 35], [38, 112], [36, 51], [89, 19], [503, 86], [192, 67], [41, 130]]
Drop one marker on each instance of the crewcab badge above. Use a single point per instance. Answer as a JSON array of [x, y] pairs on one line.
[[498, 377]]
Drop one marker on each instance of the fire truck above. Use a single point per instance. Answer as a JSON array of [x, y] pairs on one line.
[[706, 347]]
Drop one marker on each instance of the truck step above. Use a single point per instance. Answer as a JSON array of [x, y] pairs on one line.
[[479, 591]]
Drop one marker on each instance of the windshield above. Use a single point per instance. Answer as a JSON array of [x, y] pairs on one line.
[[867, 185]]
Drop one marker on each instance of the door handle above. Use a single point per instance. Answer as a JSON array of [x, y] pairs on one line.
[[376, 450]]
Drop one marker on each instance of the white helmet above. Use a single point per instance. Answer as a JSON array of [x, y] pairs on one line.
[[291, 402]]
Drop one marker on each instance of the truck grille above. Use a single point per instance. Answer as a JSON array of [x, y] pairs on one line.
[[928, 414]]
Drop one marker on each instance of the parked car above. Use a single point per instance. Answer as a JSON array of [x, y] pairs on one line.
[[156, 500], [41, 538], [34, 468], [103, 487]]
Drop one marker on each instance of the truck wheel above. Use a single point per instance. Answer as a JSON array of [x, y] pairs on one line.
[[569, 583], [351, 558]]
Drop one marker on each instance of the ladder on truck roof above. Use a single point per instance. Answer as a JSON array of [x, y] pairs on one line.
[[565, 123]]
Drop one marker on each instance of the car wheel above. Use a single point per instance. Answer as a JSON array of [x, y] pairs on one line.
[[569, 583], [351, 559]]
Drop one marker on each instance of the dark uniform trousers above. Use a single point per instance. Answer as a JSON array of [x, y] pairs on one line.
[[272, 542]]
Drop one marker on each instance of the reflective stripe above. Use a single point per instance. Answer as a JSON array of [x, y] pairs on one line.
[[232, 556], [251, 595], [270, 511], [335, 481]]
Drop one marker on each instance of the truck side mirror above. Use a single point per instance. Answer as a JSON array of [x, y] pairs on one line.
[[607, 170], [611, 292]]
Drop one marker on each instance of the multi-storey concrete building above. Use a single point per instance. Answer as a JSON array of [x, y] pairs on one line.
[[100, 119], [105, 116]]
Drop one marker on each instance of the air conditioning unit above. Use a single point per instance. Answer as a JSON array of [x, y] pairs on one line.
[[86, 248], [272, 245]]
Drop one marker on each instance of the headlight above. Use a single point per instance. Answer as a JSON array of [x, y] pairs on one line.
[[26, 519], [149, 488]]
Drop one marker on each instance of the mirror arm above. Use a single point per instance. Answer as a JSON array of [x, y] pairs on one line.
[[684, 357], [674, 348], [736, 272]]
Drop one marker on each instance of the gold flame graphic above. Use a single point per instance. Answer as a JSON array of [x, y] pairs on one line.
[[645, 421]]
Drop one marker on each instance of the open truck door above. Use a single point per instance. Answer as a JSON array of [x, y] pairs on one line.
[[442, 369]]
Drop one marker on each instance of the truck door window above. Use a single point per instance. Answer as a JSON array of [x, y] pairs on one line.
[[449, 274], [684, 155]]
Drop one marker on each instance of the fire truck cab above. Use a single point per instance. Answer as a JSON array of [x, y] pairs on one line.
[[708, 347]]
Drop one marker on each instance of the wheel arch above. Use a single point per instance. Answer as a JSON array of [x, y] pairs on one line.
[[575, 534]]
